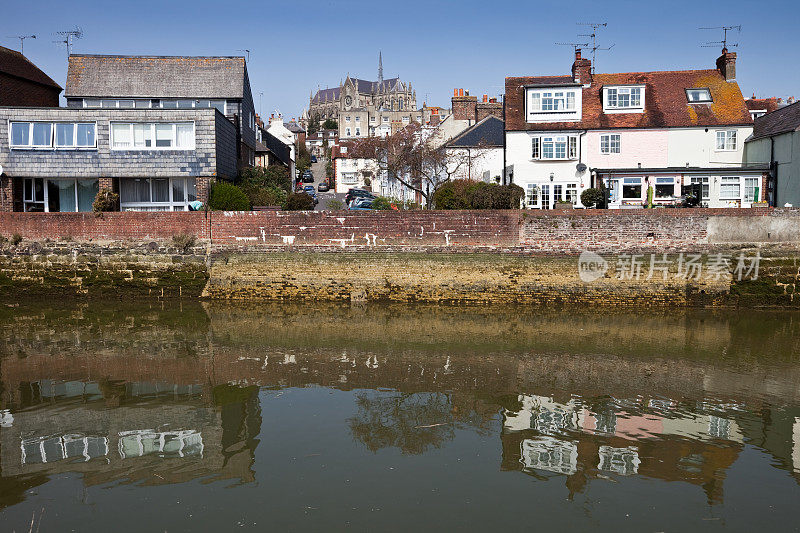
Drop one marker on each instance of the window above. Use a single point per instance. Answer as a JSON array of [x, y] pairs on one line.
[[535, 144], [665, 187], [750, 186], [349, 178], [558, 147], [572, 193], [91, 102], [59, 195], [372, 119], [157, 194], [609, 144], [758, 113], [703, 181], [152, 136], [347, 118], [729, 188], [632, 188], [386, 119], [552, 104], [698, 95], [553, 101], [624, 98], [347, 132], [406, 120], [358, 132], [69, 135], [33, 194], [358, 119], [726, 140]]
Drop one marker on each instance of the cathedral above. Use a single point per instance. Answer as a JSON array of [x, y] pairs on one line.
[[366, 108]]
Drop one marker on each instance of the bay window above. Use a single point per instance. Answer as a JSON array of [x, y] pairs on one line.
[[726, 140], [624, 98], [152, 136], [157, 194], [729, 188], [610, 143]]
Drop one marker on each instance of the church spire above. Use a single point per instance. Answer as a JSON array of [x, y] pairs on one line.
[[380, 69]]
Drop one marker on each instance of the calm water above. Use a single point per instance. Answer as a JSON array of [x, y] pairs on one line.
[[272, 417]]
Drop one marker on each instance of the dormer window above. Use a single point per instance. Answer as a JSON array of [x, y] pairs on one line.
[[623, 99], [696, 96], [556, 104]]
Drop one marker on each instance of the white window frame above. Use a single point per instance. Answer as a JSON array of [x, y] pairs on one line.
[[45, 202], [554, 143], [729, 140], [610, 143], [663, 181], [626, 90], [553, 104], [194, 105], [171, 203], [751, 183], [732, 181], [705, 186], [627, 182], [698, 90], [152, 125], [52, 142]]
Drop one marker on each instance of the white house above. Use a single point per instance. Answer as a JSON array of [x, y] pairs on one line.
[[631, 132], [279, 130], [477, 153], [351, 172]]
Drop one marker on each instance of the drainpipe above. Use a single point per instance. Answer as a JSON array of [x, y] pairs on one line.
[[504, 138]]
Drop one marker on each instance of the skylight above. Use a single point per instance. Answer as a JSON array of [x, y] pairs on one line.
[[698, 95]]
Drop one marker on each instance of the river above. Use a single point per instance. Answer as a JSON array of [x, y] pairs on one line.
[[185, 416]]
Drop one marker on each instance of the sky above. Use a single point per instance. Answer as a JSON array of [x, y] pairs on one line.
[[297, 46]]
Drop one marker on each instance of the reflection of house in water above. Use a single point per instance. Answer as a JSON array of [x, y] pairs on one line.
[[155, 433], [541, 435]]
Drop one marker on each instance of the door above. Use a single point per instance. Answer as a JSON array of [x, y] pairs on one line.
[[546, 198], [615, 192]]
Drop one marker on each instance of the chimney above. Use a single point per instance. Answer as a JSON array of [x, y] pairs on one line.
[[581, 69], [485, 98], [726, 64], [465, 107], [790, 100]]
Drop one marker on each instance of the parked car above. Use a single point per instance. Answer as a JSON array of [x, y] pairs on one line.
[[323, 187], [361, 204], [313, 159], [308, 178], [357, 193]]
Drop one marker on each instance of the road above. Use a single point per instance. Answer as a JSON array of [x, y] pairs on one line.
[[318, 169]]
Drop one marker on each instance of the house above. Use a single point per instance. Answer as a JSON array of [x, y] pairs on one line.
[[319, 140], [23, 84], [156, 130], [477, 153], [278, 129], [350, 172], [167, 82], [631, 133], [272, 151], [776, 142], [759, 107]]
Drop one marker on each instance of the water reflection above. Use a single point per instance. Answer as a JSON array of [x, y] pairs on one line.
[[166, 395]]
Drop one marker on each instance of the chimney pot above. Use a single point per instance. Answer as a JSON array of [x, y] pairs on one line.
[[455, 92]]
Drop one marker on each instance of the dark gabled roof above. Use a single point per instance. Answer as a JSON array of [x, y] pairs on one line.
[[294, 127], [274, 145], [784, 120], [362, 86], [666, 105], [156, 76], [486, 134], [15, 64]]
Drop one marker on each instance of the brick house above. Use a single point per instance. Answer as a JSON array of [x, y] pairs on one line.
[[156, 130], [23, 84], [631, 132]]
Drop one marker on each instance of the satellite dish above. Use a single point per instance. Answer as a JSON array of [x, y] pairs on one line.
[[581, 167]]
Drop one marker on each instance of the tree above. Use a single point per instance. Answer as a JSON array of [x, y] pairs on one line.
[[303, 161], [330, 124], [410, 158], [592, 197], [272, 176], [313, 124]]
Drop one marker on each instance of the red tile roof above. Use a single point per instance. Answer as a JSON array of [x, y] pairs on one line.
[[15, 64], [666, 105], [762, 104]]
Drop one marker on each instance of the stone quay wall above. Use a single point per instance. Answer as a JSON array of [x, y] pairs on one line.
[[422, 256]]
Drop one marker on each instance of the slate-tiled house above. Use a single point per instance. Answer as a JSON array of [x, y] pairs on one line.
[[631, 132], [157, 130], [23, 84], [776, 142]]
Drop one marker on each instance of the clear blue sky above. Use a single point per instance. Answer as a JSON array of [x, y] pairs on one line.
[[437, 45]]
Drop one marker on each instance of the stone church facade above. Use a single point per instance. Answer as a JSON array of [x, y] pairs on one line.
[[366, 108]]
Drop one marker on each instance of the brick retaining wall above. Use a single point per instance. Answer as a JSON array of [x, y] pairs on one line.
[[557, 232]]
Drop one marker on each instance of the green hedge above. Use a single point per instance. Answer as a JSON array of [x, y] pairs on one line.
[[464, 194], [228, 197]]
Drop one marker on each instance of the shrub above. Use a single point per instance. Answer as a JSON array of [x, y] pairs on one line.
[[335, 204], [381, 203], [258, 195], [465, 194], [16, 239], [106, 200], [183, 241], [299, 202], [593, 197], [228, 197], [272, 176]]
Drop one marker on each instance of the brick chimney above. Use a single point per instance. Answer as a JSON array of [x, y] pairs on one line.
[[465, 107], [581, 69], [726, 64]]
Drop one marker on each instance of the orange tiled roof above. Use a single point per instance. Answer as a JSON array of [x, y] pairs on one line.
[[666, 105]]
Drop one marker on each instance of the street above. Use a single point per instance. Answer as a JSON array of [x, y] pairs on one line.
[[318, 169]]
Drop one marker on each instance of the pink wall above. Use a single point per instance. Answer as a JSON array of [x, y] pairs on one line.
[[648, 147]]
